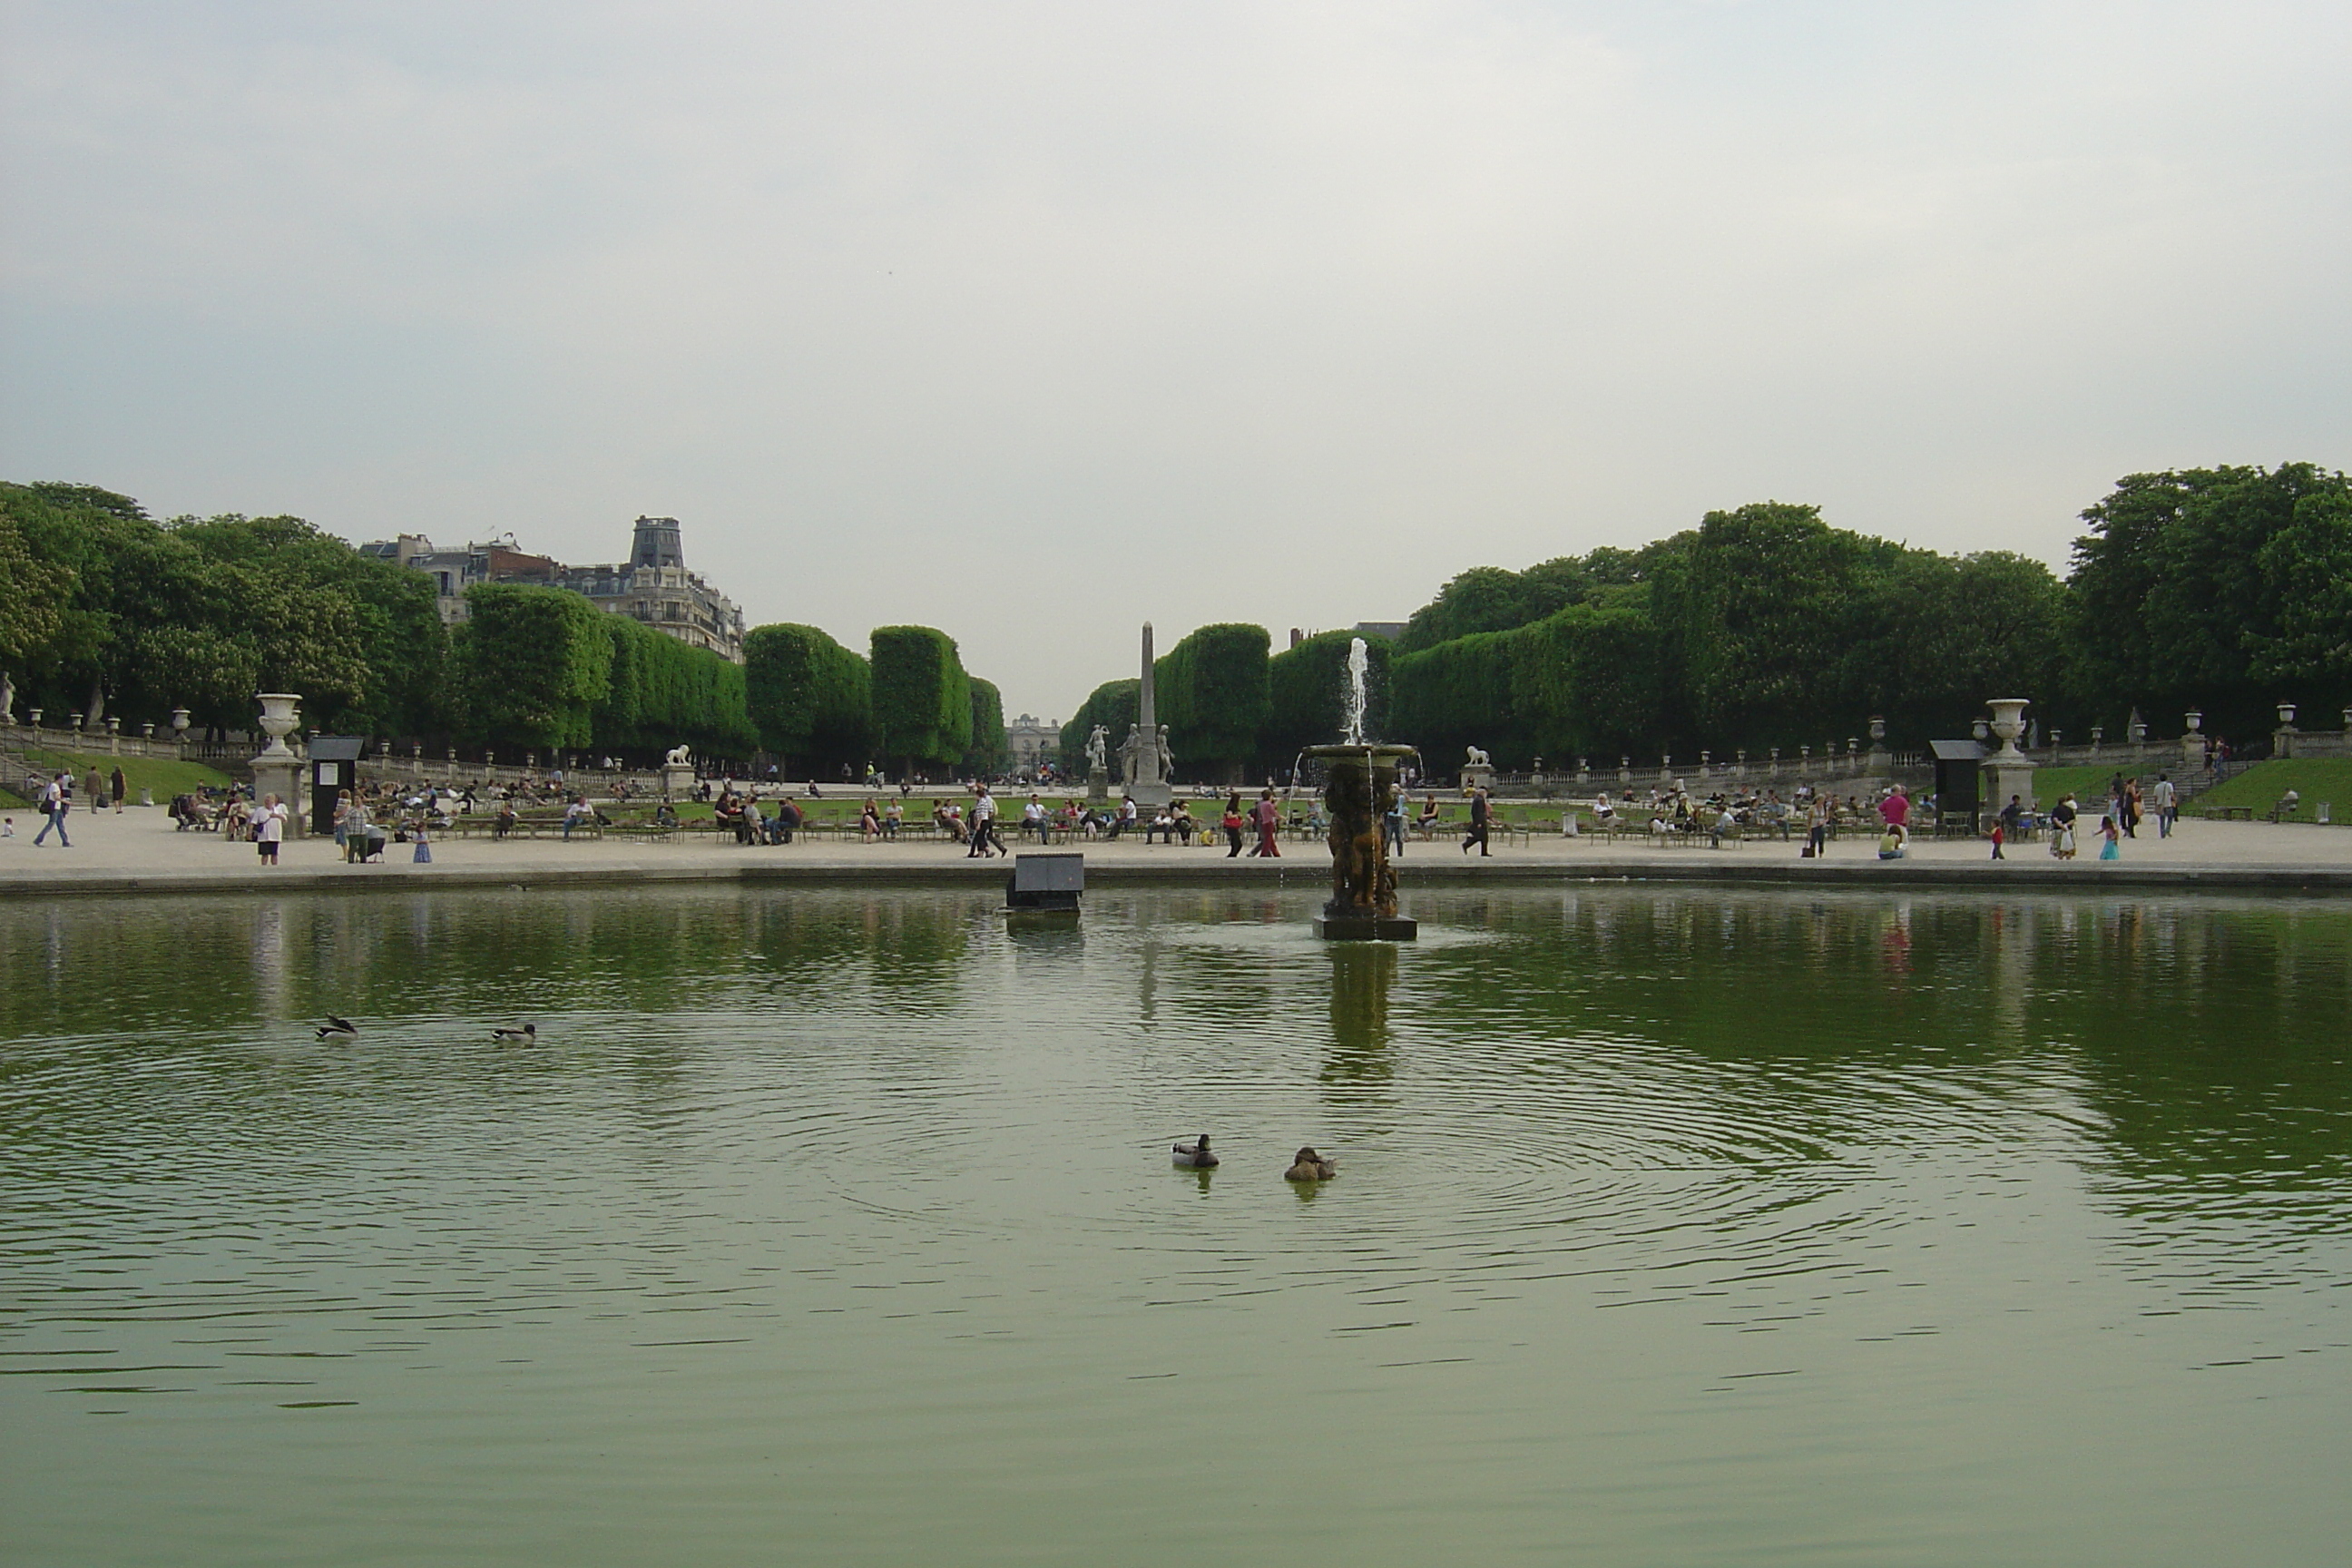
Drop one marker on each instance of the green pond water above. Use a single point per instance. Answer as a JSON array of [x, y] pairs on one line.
[[1674, 1226]]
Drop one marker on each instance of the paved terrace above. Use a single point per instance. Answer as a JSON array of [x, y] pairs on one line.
[[138, 850]]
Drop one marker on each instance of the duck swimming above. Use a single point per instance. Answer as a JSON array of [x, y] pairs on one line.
[[338, 1028], [1306, 1165], [1195, 1156], [528, 1034]]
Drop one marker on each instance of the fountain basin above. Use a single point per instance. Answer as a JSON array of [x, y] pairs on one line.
[[1359, 782]]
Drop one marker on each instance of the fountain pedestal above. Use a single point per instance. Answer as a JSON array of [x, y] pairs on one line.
[[1362, 783]]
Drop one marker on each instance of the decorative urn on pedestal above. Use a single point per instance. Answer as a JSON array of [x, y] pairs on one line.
[[276, 768], [2009, 771]]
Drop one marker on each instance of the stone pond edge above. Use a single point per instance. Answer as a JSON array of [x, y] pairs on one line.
[[2092, 878]]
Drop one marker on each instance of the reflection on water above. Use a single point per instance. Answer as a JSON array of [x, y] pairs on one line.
[[1673, 1227]]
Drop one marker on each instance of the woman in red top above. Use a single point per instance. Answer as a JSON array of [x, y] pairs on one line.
[[1269, 818]]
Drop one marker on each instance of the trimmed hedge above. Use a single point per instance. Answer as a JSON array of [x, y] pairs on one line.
[[810, 698], [532, 663], [922, 697], [1211, 690], [991, 753], [663, 691]]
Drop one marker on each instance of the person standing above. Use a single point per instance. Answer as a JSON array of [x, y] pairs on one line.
[[56, 800], [269, 828], [2062, 828], [2112, 848], [121, 786], [1234, 823], [2168, 804], [95, 787], [1894, 811], [1817, 828], [1392, 821]]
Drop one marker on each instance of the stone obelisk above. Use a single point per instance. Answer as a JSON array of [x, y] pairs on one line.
[[1149, 782]]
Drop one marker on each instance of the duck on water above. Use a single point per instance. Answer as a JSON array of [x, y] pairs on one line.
[[1193, 1156], [1306, 1165]]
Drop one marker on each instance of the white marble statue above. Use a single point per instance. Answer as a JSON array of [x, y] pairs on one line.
[[1099, 750], [677, 758], [1478, 758]]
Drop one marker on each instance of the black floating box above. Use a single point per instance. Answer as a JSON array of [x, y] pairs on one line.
[[1045, 883]]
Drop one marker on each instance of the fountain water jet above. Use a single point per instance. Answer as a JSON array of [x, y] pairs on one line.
[[1361, 783]]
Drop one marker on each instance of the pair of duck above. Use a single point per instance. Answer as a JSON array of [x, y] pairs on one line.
[[336, 1028], [1305, 1165]]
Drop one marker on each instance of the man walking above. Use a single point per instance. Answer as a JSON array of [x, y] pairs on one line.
[[2168, 804], [56, 801], [984, 826], [1479, 813]]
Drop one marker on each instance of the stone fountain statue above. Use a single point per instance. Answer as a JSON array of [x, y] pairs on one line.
[[1361, 786]]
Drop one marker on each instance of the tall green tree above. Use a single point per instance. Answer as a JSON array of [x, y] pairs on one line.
[[2218, 589], [1457, 695], [532, 663], [812, 698], [1588, 681], [922, 697], [1211, 691], [1758, 616], [661, 693], [390, 681], [991, 753]]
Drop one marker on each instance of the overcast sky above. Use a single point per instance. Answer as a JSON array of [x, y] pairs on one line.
[[1033, 321]]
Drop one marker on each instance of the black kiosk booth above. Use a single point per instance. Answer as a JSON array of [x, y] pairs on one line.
[[334, 768], [1957, 795]]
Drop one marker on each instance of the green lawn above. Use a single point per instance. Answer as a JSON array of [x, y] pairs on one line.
[[2261, 785], [165, 776]]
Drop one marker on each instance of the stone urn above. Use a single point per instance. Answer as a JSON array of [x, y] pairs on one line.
[[276, 768], [278, 710], [2008, 771], [2008, 724]]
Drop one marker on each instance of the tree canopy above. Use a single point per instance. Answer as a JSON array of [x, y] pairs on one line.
[[1211, 691], [811, 698], [922, 697]]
